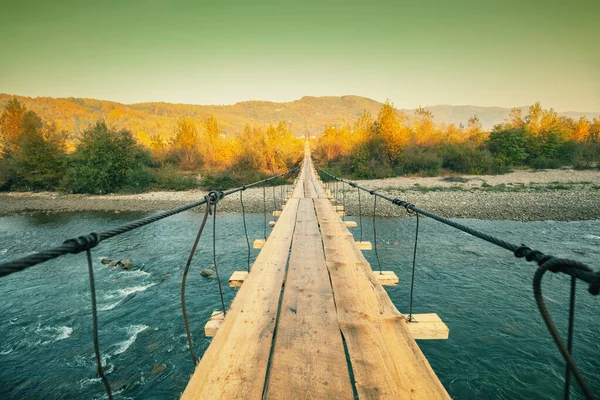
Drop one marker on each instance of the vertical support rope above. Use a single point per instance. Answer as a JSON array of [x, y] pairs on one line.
[[274, 201], [360, 215], [570, 337], [245, 227], [265, 209], [375, 233], [99, 368], [215, 258], [184, 280], [412, 283], [343, 202]]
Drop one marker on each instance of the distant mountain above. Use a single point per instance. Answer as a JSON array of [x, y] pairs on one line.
[[307, 115]]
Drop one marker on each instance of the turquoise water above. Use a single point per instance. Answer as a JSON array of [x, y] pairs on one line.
[[498, 346]]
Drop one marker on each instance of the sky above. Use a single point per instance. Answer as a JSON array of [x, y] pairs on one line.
[[420, 52]]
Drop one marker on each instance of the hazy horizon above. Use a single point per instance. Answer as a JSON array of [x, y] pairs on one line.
[[209, 53]]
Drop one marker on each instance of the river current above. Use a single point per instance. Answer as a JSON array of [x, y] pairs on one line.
[[498, 347]]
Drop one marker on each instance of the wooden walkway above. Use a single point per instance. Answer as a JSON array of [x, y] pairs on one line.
[[329, 332]]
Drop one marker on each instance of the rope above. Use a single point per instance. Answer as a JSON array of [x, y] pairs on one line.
[[546, 262], [245, 228], [375, 233], [82, 243], [214, 246], [559, 265], [414, 263], [570, 337], [265, 210], [184, 280], [360, 216], [274, 201], [99, 369]]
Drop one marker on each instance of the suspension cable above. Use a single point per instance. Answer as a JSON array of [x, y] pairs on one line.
[[265, 210], [375, 233], [414, 262], [184, 281], [245, 227], [214, 246], [360, 216], [570, 337], [81, 243], [545, 262], [99, 367]]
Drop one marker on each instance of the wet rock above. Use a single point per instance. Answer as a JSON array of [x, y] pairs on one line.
[[114, 263], [206, 272], [127, 263], [167, 276], [105, 260], [158, 368]]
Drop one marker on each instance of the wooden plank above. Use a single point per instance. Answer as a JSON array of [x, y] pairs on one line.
[[364, 245], [427, 326], [308, 356], [386, 278], [235, 364], [386, 361], [214, 323], [237, 278]]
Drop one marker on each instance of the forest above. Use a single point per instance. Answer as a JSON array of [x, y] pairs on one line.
[[392, 145], [36, 155]]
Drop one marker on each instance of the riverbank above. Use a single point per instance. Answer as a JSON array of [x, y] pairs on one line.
[[562, 195]]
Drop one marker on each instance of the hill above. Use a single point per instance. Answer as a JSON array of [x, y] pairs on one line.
[[306, 115]]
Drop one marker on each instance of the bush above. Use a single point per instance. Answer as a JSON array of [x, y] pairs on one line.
[[420, 160], [106, 161], [170, 178], [467, 159]]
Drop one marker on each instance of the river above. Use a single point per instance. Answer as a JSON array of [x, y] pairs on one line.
[[498, 348]]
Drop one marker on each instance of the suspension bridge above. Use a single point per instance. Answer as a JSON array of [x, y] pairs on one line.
[[311, 318]]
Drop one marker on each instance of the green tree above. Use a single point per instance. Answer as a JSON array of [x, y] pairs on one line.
[[507, 144], [33, 157], [106, 161]]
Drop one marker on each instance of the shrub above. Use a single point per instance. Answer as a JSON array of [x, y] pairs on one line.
[[105, 161]]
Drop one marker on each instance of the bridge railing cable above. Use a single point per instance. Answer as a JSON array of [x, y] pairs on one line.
[[82, 243], [87, 242], [575, 269]]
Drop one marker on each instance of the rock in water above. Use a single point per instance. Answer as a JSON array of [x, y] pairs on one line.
[[105, 260], [158, 368], [206, 272], [167, 276], [114, 263], [127, 263]]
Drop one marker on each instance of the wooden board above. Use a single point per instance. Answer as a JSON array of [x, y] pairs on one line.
[[214, 323], [386, 361], [386, 278], [427, 326], [308, 356], [364, 245], [237, 278], [235, 364]]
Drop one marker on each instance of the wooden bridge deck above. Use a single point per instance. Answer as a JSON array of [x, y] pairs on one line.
[[329, 332]]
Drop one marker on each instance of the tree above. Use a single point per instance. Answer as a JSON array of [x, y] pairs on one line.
[[106, 161], [186, 145], [508, 144], [33, 157]]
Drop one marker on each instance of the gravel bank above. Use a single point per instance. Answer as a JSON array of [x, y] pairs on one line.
[[561, 195]]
